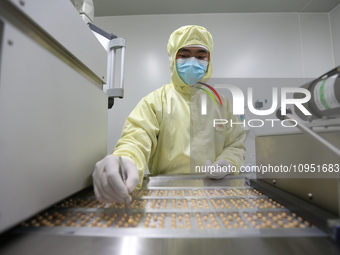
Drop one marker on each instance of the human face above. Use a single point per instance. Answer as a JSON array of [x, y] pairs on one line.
[[197, 52], [189, 70]]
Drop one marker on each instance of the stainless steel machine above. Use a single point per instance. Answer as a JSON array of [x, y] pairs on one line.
[[173, 215], [53, 111], [53, 121]]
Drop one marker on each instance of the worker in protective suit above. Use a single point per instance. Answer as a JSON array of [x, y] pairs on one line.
[[167, 130]]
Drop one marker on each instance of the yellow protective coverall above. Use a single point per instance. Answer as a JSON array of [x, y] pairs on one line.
[[167, 130]]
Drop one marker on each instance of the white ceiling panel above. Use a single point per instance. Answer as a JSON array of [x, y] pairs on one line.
[[148, 7], [321, 5]]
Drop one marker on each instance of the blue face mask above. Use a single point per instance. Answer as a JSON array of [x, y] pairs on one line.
[[191, 70]]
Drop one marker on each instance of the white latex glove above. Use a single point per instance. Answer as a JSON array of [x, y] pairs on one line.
[[107, 182], [219, 169]]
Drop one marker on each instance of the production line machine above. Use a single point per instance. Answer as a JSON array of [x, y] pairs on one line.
[[47, 205], [176, 215]]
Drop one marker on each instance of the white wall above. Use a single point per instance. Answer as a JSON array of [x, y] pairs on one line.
[[335, 29], [261, 45]]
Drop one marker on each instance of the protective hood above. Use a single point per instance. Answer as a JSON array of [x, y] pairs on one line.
[[182, 37]]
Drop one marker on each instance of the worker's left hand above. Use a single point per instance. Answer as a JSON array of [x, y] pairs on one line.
[[218, 169]]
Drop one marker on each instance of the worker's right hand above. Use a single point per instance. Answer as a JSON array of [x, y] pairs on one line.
[[107, 182]]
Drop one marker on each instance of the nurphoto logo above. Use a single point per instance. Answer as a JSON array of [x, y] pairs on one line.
[[239, 99]]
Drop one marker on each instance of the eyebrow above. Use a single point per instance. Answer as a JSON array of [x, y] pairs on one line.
[[187, 50], [184, 49], [202, 50]]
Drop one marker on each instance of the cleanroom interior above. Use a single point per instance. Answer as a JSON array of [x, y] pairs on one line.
[[55, 124]]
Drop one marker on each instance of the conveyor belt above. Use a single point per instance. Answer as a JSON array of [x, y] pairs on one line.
[[186, 210], [212, 211]]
